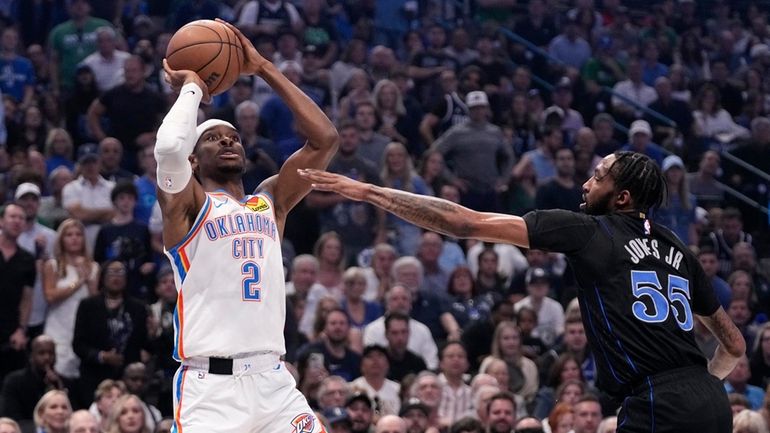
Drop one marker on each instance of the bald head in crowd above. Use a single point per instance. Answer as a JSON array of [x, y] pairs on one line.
[[391, 424], [83, 421]]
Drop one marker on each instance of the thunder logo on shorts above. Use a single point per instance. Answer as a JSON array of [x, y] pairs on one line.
[[303, 423]]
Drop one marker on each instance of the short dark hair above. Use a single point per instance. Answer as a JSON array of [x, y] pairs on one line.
[[124, 187], [502, 395], [395, 315], [447, 345], [348, 124], [336, 310], [641, 176], [588, 397], [465, 425], [732, 213]]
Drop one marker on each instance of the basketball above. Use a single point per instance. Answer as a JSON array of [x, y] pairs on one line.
[[209, 49]]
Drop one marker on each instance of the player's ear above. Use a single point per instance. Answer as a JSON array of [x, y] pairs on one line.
[[623, 200]]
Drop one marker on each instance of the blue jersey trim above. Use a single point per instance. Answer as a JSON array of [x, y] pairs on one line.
[[198, 220], [652, 406], [177, 335], [609, 329], [604, 351]]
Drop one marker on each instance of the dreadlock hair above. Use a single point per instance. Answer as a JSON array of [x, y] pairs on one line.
[[642, 177]]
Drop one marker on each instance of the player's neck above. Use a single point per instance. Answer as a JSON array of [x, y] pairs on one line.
[[234, 188]]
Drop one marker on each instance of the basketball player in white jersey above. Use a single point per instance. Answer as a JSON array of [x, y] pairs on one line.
[[225, 248]]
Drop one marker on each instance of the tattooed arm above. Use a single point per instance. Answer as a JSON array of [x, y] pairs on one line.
[[731, 346], [428, 212]]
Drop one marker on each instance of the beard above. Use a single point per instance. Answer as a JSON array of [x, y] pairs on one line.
[[601, 206], [500, 427]]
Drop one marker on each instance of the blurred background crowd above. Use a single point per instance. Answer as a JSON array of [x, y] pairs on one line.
[[501, 105]]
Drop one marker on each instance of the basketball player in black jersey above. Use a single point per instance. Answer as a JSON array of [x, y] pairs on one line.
[[640, 288]]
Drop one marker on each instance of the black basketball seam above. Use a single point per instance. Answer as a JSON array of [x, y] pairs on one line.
[[229, 55], [197, 43], [200, 43], [238, 48]]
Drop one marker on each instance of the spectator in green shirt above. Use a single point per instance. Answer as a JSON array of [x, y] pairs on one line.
[[72, 41]]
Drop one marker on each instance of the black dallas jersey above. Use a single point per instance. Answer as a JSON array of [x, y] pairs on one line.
[[639, 287]]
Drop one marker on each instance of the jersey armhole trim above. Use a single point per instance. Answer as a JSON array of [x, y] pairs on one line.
[[202, 214]]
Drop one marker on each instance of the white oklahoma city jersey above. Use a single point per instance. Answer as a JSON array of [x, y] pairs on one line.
[[229, 275]]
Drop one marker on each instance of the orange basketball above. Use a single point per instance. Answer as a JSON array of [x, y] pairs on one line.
[[211, 50]]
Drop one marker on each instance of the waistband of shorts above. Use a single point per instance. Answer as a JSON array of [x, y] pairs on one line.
[[249, 363], [669, 376]]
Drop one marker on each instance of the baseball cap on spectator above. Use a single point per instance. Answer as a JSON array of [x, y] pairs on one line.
[[604, 42], [359, 396], [244, 79], [26, 188], [672, 161], [564, 83], [88, 152], [759, 50], [640, 126], [82, 67], [476, 98], [336, 415], [290, 64], [535, 275], [164, 270], [553, 110], [374, 348], [143, 20], [413, 403]]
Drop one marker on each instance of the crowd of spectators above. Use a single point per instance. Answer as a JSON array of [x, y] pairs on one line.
[[500, 105]]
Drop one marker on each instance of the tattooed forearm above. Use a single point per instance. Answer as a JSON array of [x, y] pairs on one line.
[[429, 212]]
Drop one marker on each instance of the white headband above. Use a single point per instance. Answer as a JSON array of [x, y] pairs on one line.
[[203, 127]]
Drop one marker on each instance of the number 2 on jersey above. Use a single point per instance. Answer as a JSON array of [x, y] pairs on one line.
[[251, 277], [647, 284]]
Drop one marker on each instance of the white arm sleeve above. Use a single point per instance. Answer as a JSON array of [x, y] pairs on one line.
[[176, 140]]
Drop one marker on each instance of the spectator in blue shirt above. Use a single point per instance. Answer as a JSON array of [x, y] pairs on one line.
[[569, 47], [737, 382], [652, 69], [17, 76]]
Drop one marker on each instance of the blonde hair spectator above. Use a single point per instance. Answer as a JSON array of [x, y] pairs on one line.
[[608, 425], [52, 412], [8, 425], [127, 416], [748, 421]]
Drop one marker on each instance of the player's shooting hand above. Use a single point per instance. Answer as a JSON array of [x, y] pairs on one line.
[[325, 181], [253, 62], [179, 78]]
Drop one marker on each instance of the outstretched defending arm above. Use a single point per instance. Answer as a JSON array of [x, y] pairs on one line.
[[428, 212]]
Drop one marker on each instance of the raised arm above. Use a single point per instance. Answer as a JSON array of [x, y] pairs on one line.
[[428, 212], [287, 188], [180, 196], [731, 346]]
